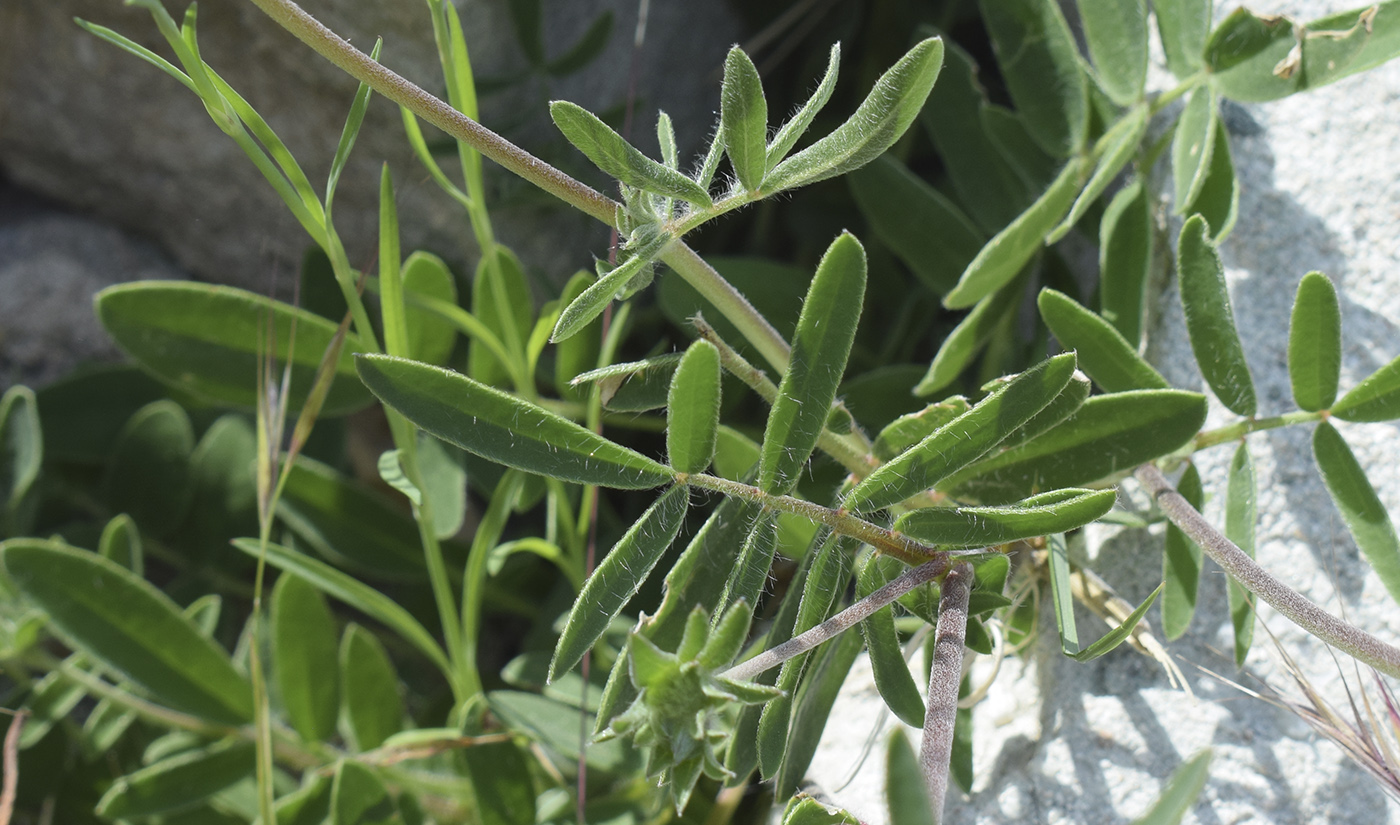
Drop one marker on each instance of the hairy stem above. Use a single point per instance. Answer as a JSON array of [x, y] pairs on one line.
[[945, 676], [1240, 429], [1351, 640], [684, 260], [841, 622], [884, 540]]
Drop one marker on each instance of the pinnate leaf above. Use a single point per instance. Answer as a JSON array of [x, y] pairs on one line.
[[619, 576], [503, 428], [820, 346], [615, 156]]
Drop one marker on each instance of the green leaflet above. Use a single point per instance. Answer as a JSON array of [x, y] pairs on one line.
[[21, 457], [1064, 609], [579, 353], [206, 339], [1181, 792], [1121, 144], [178, 781], [1218, 200], [1125, 259], [148, 472], [503, 428], [905, 796], [1210, 321], [1109, 434], [911, 428], [746, 581], [1064, 405], [121, 543], [501, 782], [354, 593], [308, 805], [1005, 254], [430, 337], [1241, 516], [1112, 362], [925, 229], [1315, 343], [1376, 398], [1192, 147], [1054, 512], [1181, 564], [592, 301], [615, 156], [798, 124], [891, 672], [1183, 25], [105, 611], [743, 119], [692, 409], [501, 303], [877, 123], [618, 577], [964, 439], [804, 810], [373, 708], [1038, 58], [1117, 36], [820, 346], [359, 798], [1012, 139], [1245, 50], [812, 706], [1361, 508], [304, 657], [969, 337]]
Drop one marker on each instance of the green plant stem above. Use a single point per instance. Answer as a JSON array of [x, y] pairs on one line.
[[945, 677], [684, 260], [1165, 99], [840, 623], [1351, 640], [885, 541], [1240, 429], [488, 534]]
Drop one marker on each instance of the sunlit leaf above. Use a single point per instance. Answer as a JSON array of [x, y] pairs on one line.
[[1112, 362], [1125, 259], [1210, 321], [1040, 62], [797, 125], [1192, 147], [1218, 200], [430, 338], [1315, 343], [1116, 33], [1054, 512], [743, 118], [1181, 563], [1376, 398], [1241, 518], [1183, 25], [1180, 793], [911, 428], [1362, 510], [1122, 143], [503, 428], [615, 156]]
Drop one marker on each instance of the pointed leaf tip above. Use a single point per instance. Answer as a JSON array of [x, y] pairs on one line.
[[743, 118]]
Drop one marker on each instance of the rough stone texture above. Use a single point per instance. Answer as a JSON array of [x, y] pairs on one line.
[[1059, 742], [94, 127]]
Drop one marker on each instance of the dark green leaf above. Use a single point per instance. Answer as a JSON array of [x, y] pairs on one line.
[[743, 118], [1109, 434], [1038, 58], [905, 795], [1005, 254], [615, 156], [586, 49], [579, 353], [890, 670], [1210, 321], [592, 301], [877, 123], [21, 456], [1121, 144], [1183, 25], [1192, 147], [1112, 362], [1361, 508], [1054, 414], [1241, 516], [1376, 398], [1125, 259], [911, 428], [1116, 33], [500, 301], [1181, 564], [1010, 136], [969, 337], [797, 125], [618, 577], [308, 805], [820, 347], [1218, 200], [925, 229], [504, 428], [1315, 343], [102, 609], [692, 409], [430, 337], [358, 797], [1181, 792], [356, 594], [636, 386], [207, 340], [501, 783], [121, 542], [1054, 512], [1246, 52], [148, 473], [178, 781], [965, 438], [812, 707], [304, 657], [750, 574], [370, 689], [556, 726], [84, 414], [804, 810]]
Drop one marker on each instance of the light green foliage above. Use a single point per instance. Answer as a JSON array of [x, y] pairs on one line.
[[1117, 37], [1315, 343], [1181, 563], [1037, 55], [372, 707], [1056, 512], [609, 152], [743, 119], [177, 781], [304, 659], [1241, 519], [1192, 147], [692, 409], [1210, 321], [1103, 353], [1361, 508]]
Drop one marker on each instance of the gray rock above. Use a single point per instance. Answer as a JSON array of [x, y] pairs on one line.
[[94, 127], [1059, 742]]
